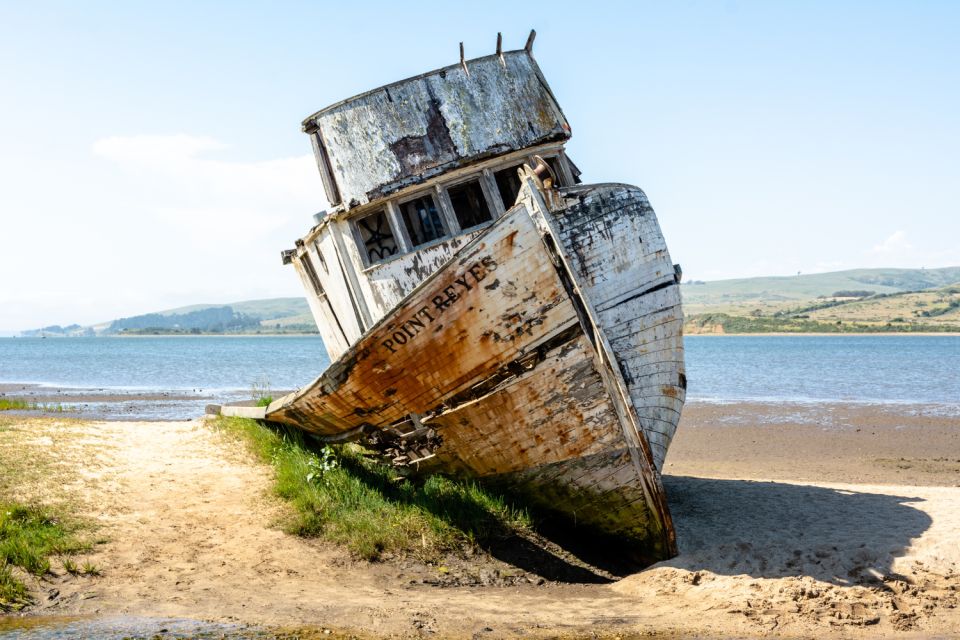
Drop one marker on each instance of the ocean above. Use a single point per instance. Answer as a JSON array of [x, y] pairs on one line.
[[175, 377]]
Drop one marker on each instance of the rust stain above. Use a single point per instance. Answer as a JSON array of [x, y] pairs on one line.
[[669, 391]]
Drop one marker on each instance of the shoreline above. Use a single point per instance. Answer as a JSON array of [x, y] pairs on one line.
[[110, 403], [317, 335], [837, 334], [187, 403], [825, 442], [171, 335]]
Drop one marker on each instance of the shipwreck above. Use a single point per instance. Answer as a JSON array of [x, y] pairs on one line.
[[487, 314]]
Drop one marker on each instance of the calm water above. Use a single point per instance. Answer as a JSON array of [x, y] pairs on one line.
[[190, 371], [198, 370], [869, 369], [163, 363]]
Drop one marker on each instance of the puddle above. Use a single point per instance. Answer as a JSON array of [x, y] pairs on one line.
[[125, 628]]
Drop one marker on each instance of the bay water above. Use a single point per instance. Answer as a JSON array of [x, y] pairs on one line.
[[190, 372]]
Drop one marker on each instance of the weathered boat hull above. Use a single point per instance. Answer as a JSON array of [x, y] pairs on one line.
[[545, 355]]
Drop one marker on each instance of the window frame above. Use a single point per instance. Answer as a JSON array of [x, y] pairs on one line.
[[439, 191], [479, 178], [354, 222], [307, 262], [439, 201]]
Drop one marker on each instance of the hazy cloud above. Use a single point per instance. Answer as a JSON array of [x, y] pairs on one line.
[[895, 244]]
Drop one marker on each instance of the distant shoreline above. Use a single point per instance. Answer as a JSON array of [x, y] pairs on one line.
[[825, 334], [172, 335]]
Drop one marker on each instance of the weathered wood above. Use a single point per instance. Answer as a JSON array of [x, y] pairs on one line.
[[622, 264], [414, 129], [257, 413], [542, 351], [484, 309], [494, 352]]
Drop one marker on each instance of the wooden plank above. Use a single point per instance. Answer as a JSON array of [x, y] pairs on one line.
[[500, 296], [636, 299], [257, 413]]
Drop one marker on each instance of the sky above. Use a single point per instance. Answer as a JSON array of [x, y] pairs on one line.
[[151, 153]]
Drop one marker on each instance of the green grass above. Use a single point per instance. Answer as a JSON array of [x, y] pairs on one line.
[[29, 536], [342, 495], [810, 286], [787, 324], [16, 404]]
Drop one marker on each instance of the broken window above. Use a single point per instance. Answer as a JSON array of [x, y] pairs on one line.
[[311, 273], [508, 184], [422, 220], [376, 237], [469, 204]]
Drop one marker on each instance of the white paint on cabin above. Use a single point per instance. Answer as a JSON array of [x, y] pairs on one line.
[[379, 142], [361, 293]]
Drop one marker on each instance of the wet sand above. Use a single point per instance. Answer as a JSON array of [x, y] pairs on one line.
[[795, 521], [854, 443], [113, 404]]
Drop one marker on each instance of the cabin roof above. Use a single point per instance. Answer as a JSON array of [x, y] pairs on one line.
[[378, 142]]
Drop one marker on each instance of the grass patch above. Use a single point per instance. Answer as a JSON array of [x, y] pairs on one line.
[[786, 324], [260, 392], [343, 495], [29, 536], [16, 404]]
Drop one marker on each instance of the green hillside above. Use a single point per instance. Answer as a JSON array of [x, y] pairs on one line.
[[863, 300], [267, 309], [700, 297], [274, 315]]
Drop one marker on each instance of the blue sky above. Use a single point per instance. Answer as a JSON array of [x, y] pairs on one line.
[[151, 154]]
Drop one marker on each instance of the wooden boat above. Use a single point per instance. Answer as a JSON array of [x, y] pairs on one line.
[[485, 314]]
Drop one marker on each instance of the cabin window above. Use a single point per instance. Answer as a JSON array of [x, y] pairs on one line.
[[421, 217], [508, 184], [376, 237], [311, 273], [469, 204]]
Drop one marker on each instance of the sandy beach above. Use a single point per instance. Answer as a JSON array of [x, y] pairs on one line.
[[794, 521]]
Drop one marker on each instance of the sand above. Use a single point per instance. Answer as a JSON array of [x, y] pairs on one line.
[[838, 519]]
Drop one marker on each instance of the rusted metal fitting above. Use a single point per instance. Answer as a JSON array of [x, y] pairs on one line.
[[544, 173]]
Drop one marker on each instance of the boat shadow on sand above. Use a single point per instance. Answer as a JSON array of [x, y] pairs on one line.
[[728, 527], [553, 550], [776, 530]]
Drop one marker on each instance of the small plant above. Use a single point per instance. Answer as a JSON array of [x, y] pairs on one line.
[[325, 460], [13, 593], [70, 566], [89, 569], [29, 536], [260, 392]]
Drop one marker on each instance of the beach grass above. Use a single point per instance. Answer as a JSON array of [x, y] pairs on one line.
[[17, 404], [29, 536], [342, 494]]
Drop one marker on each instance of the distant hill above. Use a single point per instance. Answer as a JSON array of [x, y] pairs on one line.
[[810, 286], [861, 300], [274, 315]]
